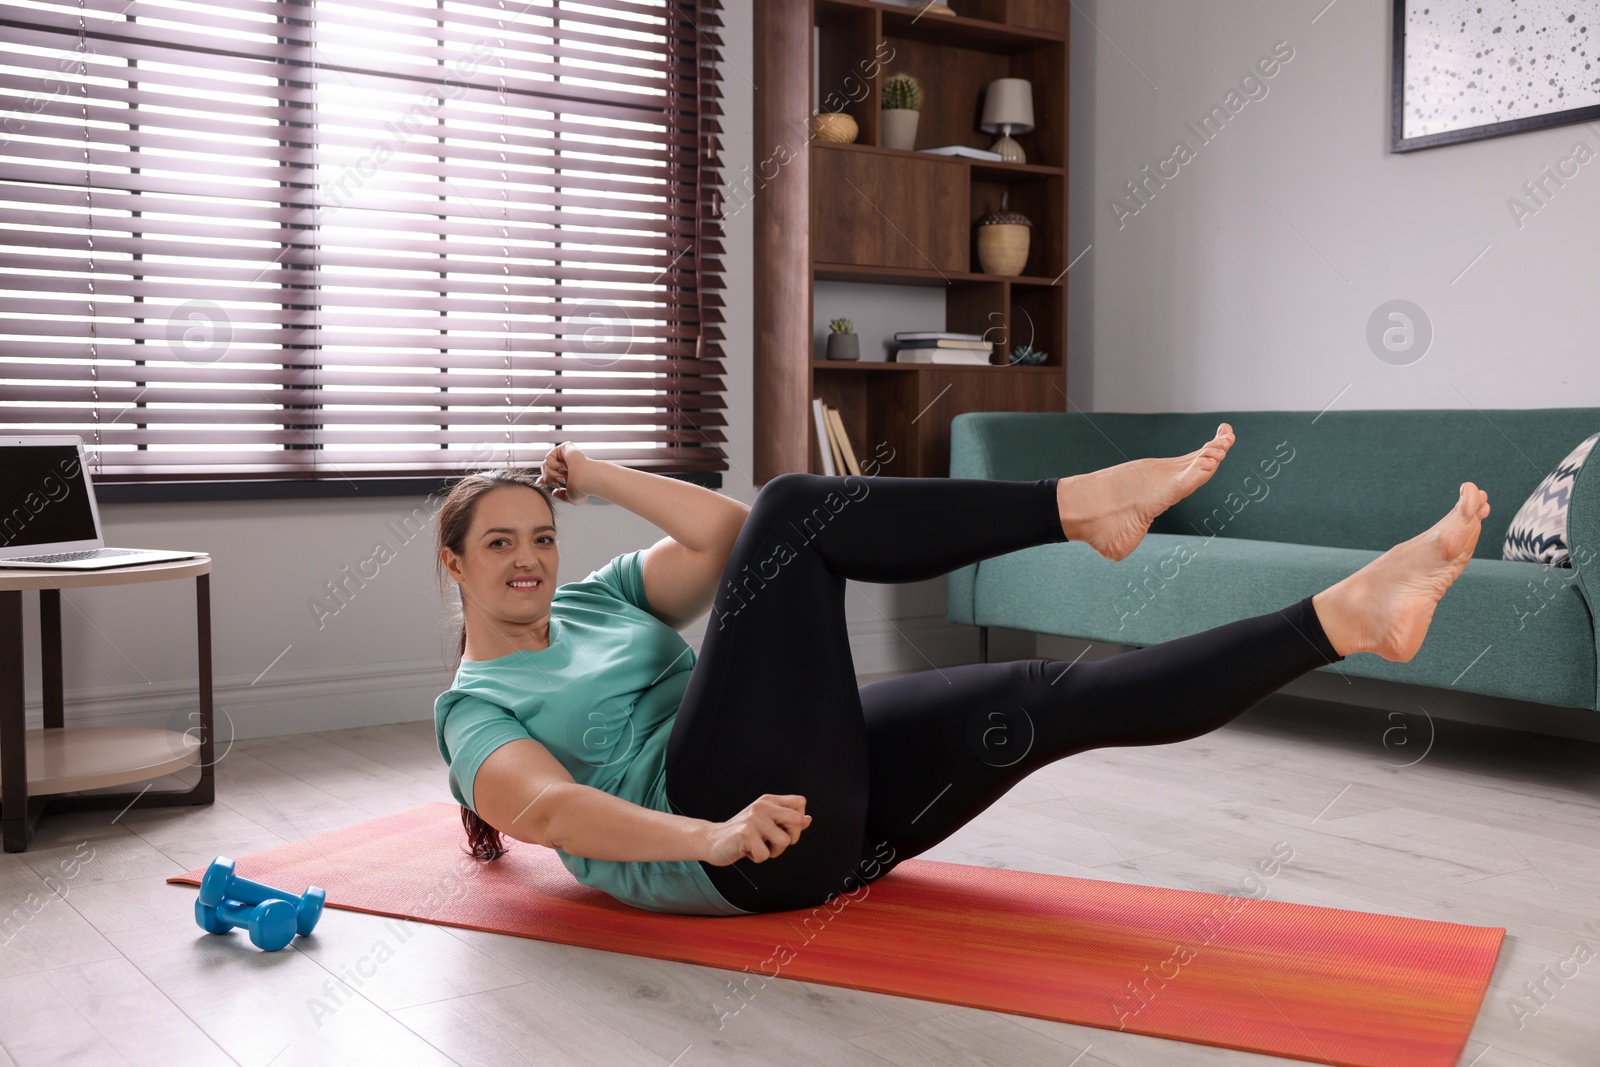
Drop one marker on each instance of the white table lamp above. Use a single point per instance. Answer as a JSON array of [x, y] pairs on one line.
[[1008, 109]]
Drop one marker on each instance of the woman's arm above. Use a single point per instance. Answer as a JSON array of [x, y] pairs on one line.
[[523, 791], [698, 518], [681, 571], [592, 823]]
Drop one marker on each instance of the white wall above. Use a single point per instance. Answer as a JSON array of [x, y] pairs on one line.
[[1247, 281], [385, 656]]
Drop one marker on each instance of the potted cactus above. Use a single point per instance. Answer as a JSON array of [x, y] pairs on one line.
[[902, 101], [842, 340]]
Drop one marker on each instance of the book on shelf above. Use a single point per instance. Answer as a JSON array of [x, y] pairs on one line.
[[966, 346], [824, 435], [942, 355], [833, 442], [965, 151], [841, 439], [936, 335]]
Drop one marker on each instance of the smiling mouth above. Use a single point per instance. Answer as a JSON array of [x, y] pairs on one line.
[[525, 584]]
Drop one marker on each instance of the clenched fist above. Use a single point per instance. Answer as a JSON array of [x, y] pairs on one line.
[[761, 831], [563, 473]]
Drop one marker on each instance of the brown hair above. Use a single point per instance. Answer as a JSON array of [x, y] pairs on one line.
[[460, 505]]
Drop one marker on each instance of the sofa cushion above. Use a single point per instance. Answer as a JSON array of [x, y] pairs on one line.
[[1538, 531], [1519, 628]]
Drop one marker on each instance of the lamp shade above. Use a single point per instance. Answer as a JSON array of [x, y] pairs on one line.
[[1008, 102]]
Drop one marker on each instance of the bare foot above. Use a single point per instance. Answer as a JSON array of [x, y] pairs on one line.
[[1386, 606], [1111, 510]]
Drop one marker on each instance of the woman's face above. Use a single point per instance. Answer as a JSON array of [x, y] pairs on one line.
[[507, 569]]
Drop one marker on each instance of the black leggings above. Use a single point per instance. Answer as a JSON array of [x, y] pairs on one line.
[[892, 768]]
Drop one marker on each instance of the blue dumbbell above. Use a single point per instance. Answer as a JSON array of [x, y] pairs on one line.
[[271, 922], [220, 883]]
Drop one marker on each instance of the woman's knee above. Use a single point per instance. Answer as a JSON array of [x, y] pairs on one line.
[[790, 490], [782, 502], [806, 502]]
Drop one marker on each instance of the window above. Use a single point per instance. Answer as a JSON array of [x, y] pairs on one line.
[[317, 240]]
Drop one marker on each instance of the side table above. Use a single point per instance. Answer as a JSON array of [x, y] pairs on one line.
[[37, 767]]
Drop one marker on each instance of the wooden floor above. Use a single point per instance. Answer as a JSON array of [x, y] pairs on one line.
[[102, 963]]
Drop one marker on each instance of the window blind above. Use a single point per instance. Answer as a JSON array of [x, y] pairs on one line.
[[307, 239]]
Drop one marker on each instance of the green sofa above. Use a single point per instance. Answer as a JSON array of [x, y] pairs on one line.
[[1302, 500]]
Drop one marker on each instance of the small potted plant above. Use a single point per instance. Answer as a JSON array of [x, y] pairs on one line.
[[842, 340], [902, 100]]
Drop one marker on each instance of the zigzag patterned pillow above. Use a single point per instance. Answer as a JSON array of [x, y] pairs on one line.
[[1538, 532]]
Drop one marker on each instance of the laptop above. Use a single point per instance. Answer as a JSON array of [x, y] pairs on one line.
[[48, 514]]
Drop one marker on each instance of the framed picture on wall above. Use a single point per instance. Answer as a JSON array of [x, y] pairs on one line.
[[1464, 70]]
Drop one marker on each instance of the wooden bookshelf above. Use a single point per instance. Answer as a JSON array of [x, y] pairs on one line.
[[868, 215]]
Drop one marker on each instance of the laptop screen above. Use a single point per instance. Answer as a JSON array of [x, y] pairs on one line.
[[44, 499]]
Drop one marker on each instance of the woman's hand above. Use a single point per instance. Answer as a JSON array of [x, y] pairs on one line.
[[563, 472], [761, 831]]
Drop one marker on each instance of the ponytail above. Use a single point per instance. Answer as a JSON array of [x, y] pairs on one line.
[[483, 841]]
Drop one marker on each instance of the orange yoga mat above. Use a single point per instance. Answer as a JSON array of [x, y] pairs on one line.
[[1323, 984]]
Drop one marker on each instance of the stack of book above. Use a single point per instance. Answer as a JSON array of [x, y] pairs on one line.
[[837, 456], [938, 347]]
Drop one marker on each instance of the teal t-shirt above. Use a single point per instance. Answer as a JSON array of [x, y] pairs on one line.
[[602, 699]]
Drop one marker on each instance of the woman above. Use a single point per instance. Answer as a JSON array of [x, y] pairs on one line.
[[760, 777]]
